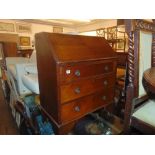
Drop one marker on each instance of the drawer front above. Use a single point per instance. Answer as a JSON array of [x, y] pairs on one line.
[[69, 73], [82, 88], [83, 106]]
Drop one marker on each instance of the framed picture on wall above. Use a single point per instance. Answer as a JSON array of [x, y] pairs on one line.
[[121, 45], [23, 28], [57, 29], [24, 41], [8, 27]]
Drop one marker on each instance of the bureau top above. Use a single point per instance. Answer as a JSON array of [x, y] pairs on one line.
[[72, 48]]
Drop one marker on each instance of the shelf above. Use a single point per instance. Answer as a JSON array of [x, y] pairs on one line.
[[25, 52]]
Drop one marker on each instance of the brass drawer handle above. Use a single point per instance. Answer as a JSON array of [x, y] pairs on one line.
[[77, 108], [105, 82], [77, 90], [104, 98], [106, 68], [77, 73]]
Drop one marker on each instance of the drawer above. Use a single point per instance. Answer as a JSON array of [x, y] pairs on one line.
[[82, 88], [79, 108], [74, 72]]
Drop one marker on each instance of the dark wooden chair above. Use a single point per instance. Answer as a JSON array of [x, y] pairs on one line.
[[139, 107]]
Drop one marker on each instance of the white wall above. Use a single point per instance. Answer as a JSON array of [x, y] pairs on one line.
[[35, 28], [97, 25], [89, 29], [90, 33]]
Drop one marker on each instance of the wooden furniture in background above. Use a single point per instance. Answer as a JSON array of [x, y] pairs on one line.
[[76, 76], [9, 49], [6, 37], [122, 59], [121, 83], [140, 57], [121, 68], [116, 37]]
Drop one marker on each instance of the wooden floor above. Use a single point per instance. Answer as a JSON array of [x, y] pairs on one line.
[[7, 123]]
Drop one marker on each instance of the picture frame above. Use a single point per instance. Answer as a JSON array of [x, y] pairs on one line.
[[23, 28], [9, 27], [121, 45], [24, 41], [57, 29]]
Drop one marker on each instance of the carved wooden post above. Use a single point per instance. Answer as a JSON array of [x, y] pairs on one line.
[[153, 48], [131, 58], [132, 29], [130, 87]]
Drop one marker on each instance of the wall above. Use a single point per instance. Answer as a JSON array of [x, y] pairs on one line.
[[88, 29], [97, 25], [90, 33], [35, 28]]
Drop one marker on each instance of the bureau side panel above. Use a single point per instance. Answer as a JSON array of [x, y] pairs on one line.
[[47, 76]]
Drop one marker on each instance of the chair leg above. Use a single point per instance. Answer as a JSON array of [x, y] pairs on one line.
[[127, 130], [128, 109], [127, 116]]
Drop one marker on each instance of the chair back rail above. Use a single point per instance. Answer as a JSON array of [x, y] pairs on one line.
[[138, 101], [143, 126]]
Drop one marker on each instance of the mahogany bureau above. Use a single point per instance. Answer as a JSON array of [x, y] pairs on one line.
[[76, 76]]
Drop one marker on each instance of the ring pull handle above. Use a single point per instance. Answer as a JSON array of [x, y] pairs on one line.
[[77, 90], [77, 73], [77, 108]]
